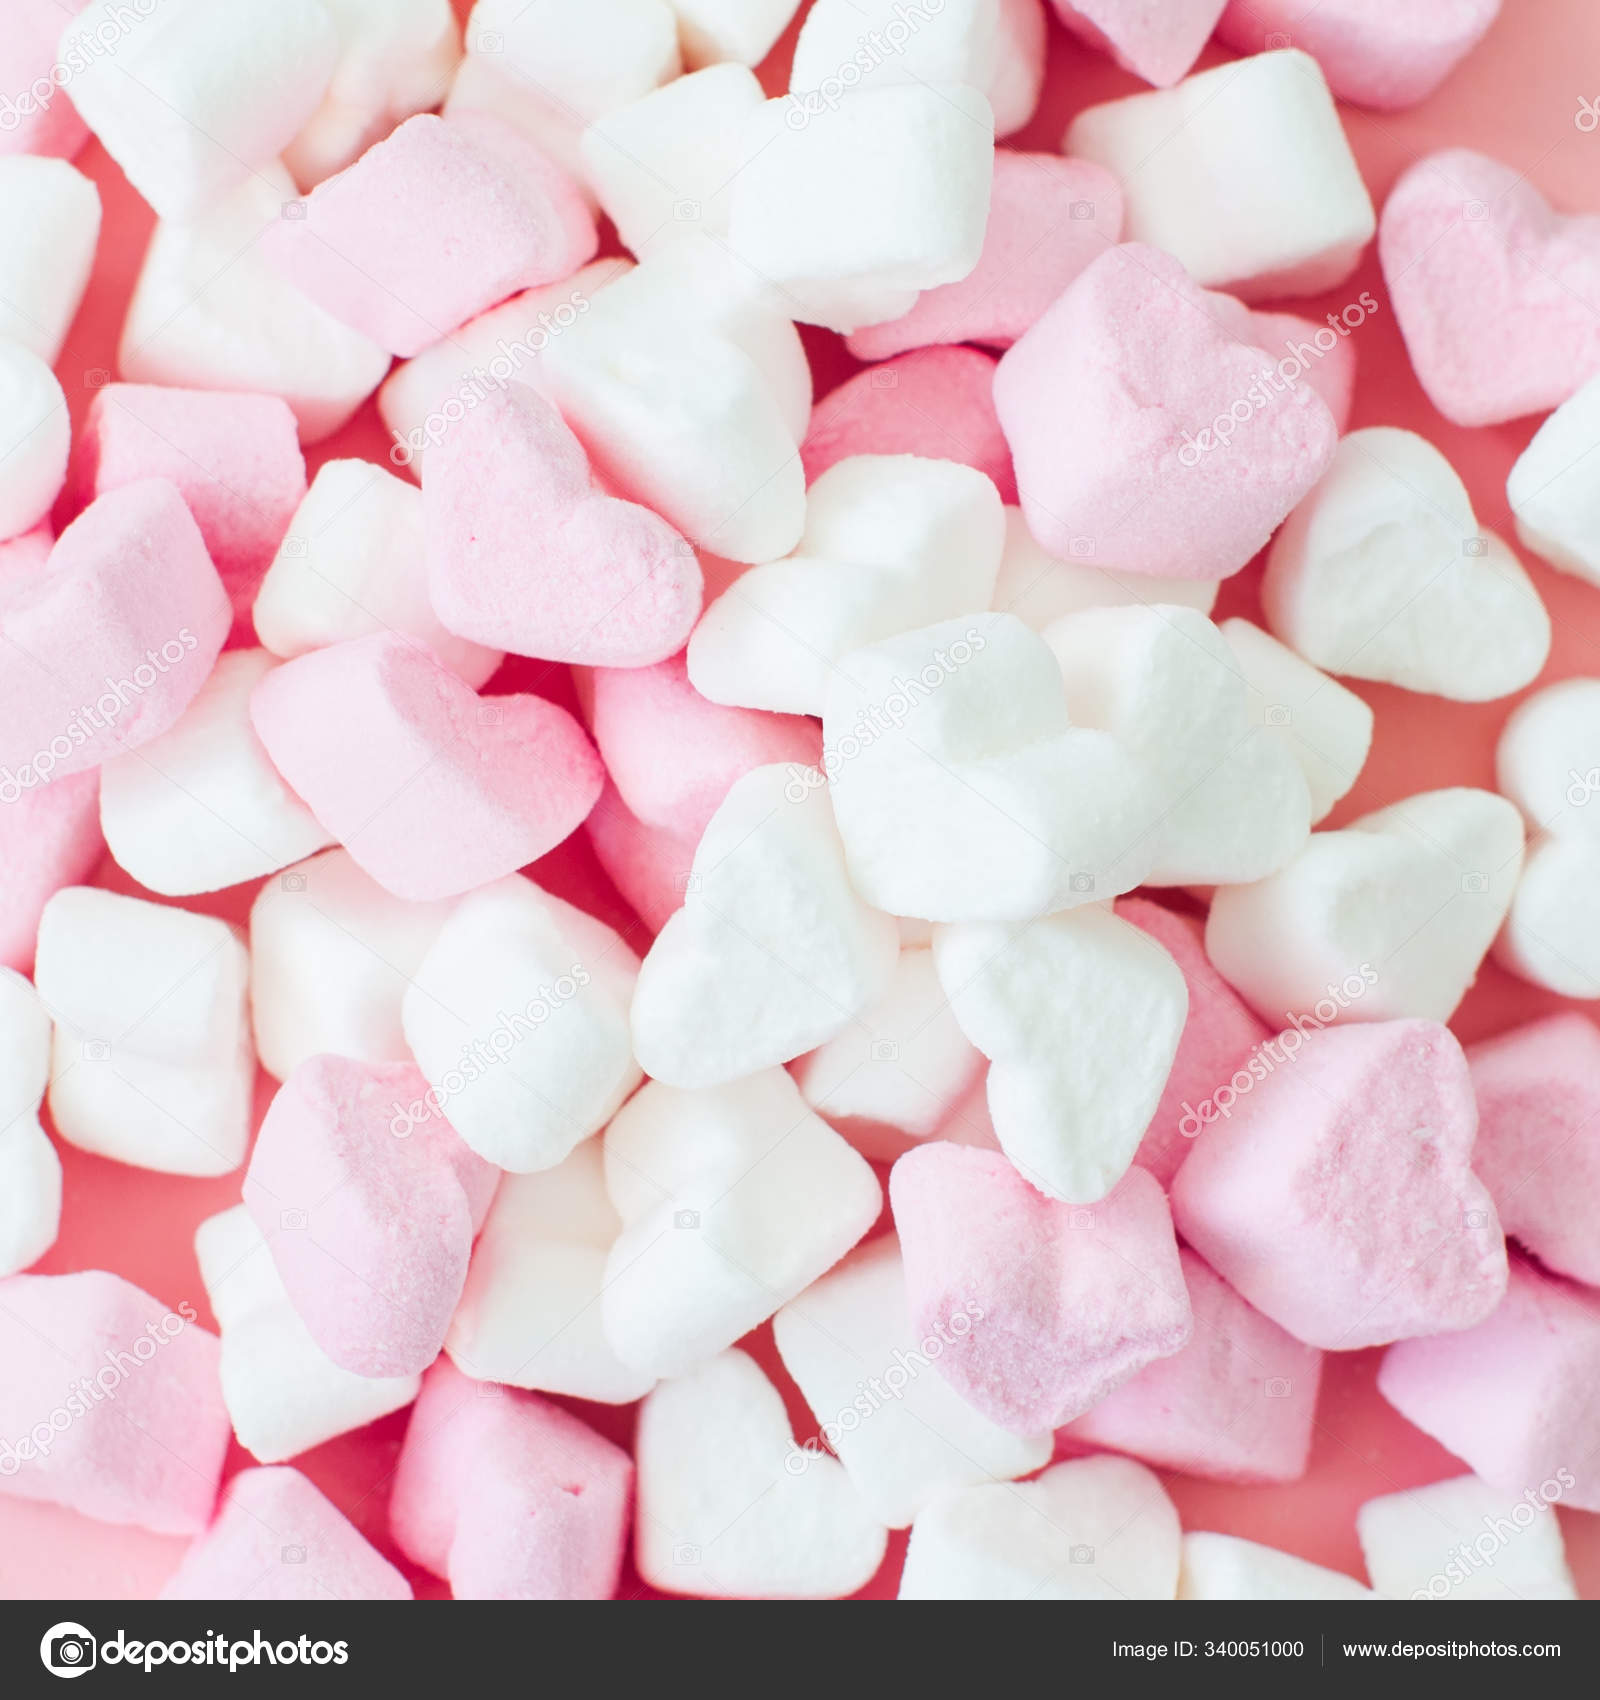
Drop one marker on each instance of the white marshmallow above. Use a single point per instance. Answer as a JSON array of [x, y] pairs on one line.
[[923, 1440], [733, 1200], [957, 42], [331, 956], [1552, 933], [24, 1047], [1224, 1567], [1554, 489], [1227, 801], [1548, 758], [197, 96], [1018, 78], [772, 952], [284, 1394], [353, 563], [1093, 1529], [1326, 728], [209, 313], [1423, 1543], [518, 1016], [1080, 1015], [1383, 573], [1388, 917], [396, 58], [1242, 172], [50, 213], [851, 209], [742, 32], [202, 807], [530, 1312], [30, 1171], [722, 1510], [961, 786], [891, 543], [151, 1061], [35, 439]]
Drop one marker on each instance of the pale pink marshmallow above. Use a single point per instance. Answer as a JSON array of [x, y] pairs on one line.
[[1514, 1397], [37, 115], [1236, 1404], [110, 1404], [432, 789], [1071, 1302], [277, 1537], [649, 865], [508, 1496], [130, 613], [431, 226], [49, 838], [1338, 1196], [371, 1233], [1498, 296], [1107, 403], [1322, 357], [1157, 42], [527, 554]]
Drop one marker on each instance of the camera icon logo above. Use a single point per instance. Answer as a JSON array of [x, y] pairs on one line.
[[885, 1050], [1475, 884], [292, 882], [686, 212], [1081, 1219], [293, 1221], [96, 1050], [1081, 210], [96, 378], [68, 1649], [685, 1552], [293, 1555], [686, 1218], [1278, 715], [490, 41], [1082, 882], [488, 714], [1278, 1387], [1476, 1219], [293, 211], [1082, 1555], [1475, 210], [1277, 42], [687, 883], [882, 380], [1475, 546], [294, 549], [1080, 548]]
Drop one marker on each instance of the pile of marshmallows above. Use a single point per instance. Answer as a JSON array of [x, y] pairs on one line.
[[887, 707]]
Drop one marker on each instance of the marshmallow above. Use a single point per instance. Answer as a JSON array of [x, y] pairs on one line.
[[145, 1431], [1546, 753], [508, 1496], [1060, 1306], [772, 952], [1372, 54], [742, 32], [1360, 1221], [197, 96], [518, 1017], [275, 1537], [1236, 1404], [284, 1394], [967, 805], [201, 807], [1224, 1567], [1080, 1015], [1462, 1539], [1390, 916], [1552, 933], [649, 865], [729, 1508], [1114, 403], [733, 1200], [1094, 1529], [395, 60], [30, 1171], [151, 1061], [1259, 194], [432, 790], [1554, 489], [851, 207], [918, 1439], [1159, 44], [1383, 573], [51, 216], [524, 553], [891, 543], [529, 1314], [209, 312], [1493, 290], [370, 1229], [36, 115], [35, 436], [49, 837], [1018, 78], [1329, 367]]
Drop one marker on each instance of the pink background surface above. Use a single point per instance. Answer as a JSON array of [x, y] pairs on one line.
[[1516, 98]]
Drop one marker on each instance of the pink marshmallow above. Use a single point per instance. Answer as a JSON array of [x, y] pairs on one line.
[[1110, 403], [108, 645], [22, 557], [1322, 357], [526, 554], [1049, 217], [36, 113], [1236, 1404], [430, 227], [1061, 1304], [235, 460], [935, 402], [647, 864], [1514, 1398], [1337, 1195], [371, 1231], [110, 1403], [1157, 42], [49, 838], [1498, 297], [507, 1495], [1538, 1149], [276, 1537], [431, 789], [1219, 1034], [1373, 52]]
